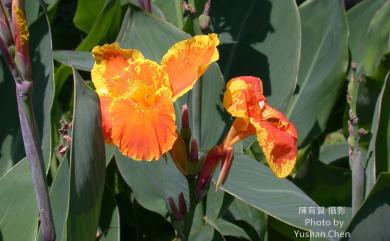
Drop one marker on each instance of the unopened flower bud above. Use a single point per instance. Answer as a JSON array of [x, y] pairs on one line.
[[204, 21], [353, 118], [173, 209], [188, 8], [226, 164], [354, 66], [351, 141], [212, 159], [176, 212], [21, 36], [184, 117], [182, 205], [194, 151], [19, 25], [185, 131], [363, 132], [146, 5]]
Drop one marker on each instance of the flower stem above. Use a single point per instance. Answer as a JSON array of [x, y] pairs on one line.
[[34, 156], [355, 156], [191, 210]]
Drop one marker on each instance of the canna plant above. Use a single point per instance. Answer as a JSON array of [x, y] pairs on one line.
[[194, 120], [137, 94]]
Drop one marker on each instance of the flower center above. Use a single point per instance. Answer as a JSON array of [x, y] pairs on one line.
[[143, 96]]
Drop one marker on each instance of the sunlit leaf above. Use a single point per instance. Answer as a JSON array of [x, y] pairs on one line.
[[322, 68]]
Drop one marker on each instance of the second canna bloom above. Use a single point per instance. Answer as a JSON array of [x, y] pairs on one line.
[[137, 94], [245, 101], [277, 136]]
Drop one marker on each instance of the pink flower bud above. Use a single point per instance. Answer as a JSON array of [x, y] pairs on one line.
[[194, 151], [226, 164], [212, 159], [21, 36], [182, 205], [184, 117], [173, 209]]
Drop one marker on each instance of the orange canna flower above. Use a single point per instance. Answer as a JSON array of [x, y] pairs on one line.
[[277, 136], [137, 94], [244, 100]]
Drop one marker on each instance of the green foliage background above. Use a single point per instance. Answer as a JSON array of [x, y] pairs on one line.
[[303, 53]]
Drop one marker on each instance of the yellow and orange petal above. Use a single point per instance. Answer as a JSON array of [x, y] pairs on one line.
[[143, 117], [271, 115], [20, 22], [277, 138], [279, 147], [143, 134], [111, 69], [239, 130], [241, 95], [187, 60], [105, 102], [276, 135]]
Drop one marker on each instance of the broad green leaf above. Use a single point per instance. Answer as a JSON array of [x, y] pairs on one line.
[[203, 234], [32, 10], [256, 185], [139, 31], [152, 182], [260, 38], [214, 119], [330, 153], [377, 40], [228, 229], [214, 202], [378, 156], [173, 11], [110, 150], [51, 4], [86, 13], [80, 60], [59, 196], [109, 223], [104, 30], [18, 210], [241, 211], [59, 199], [323, 64], [11, 143], [359, 18], [43, 76], [371, 221], [105, 27], [87, 164]]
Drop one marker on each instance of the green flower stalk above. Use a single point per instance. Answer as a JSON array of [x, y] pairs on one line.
[[355, 156], [20, 68]]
